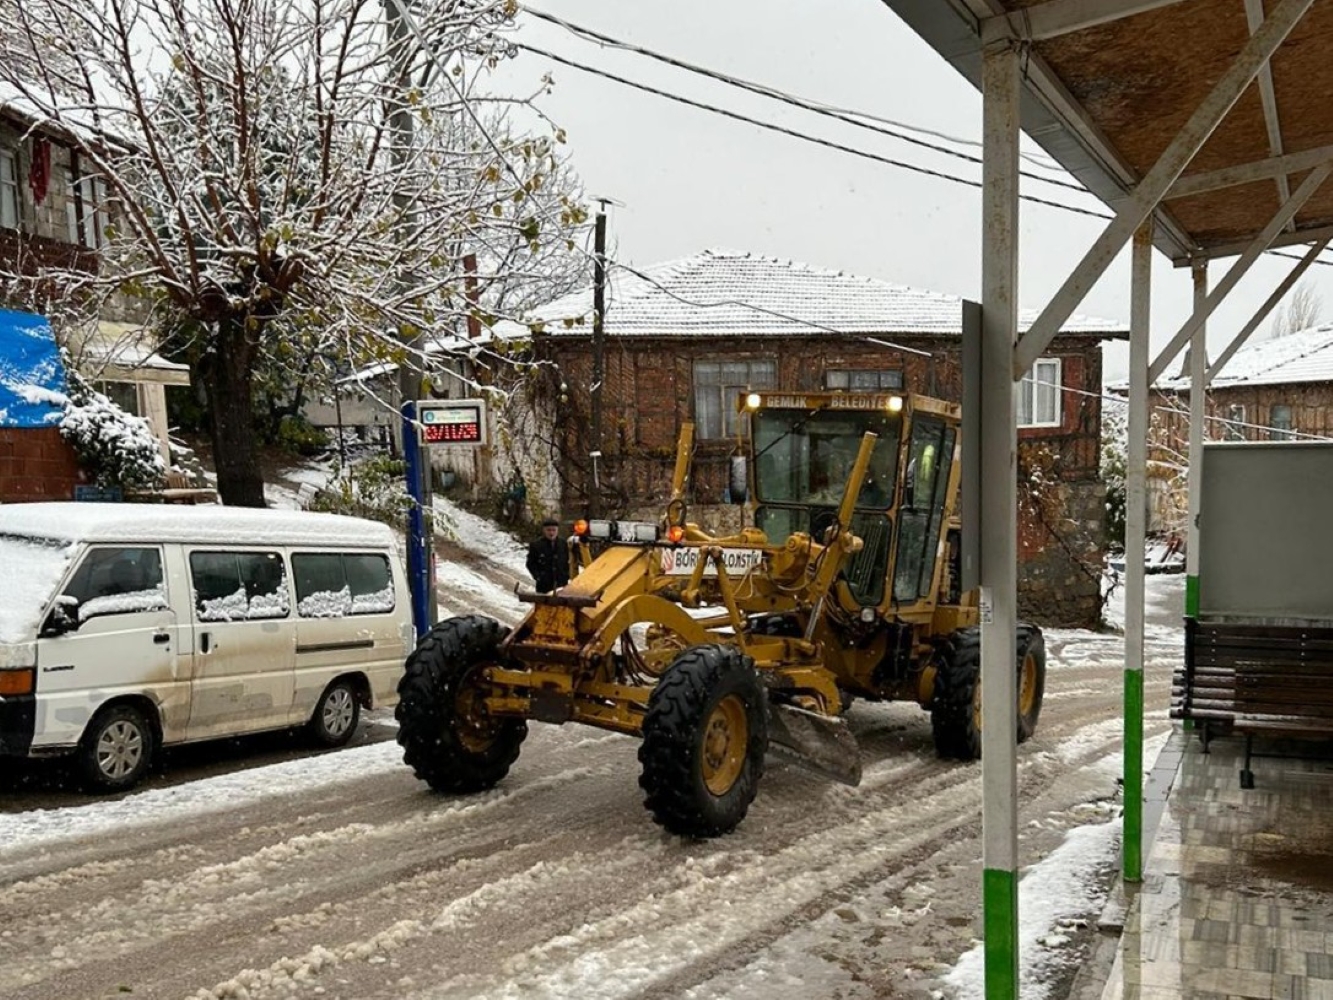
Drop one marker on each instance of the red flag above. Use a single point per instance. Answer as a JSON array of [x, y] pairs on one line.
[[39, 174]]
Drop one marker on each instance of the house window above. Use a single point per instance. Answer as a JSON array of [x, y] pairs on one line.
[[1235, 424], [716, 386], [9, 191], [1039, 395], [863, 380], [85, 211], [1279, 422]]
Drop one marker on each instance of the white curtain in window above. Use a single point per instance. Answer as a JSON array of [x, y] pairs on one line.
[[9, 191], [1039, 395]]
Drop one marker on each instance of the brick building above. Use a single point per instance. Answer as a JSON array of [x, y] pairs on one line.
[[683, 339], [54, 214]]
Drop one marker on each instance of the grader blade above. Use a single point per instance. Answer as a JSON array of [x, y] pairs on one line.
[[817, 742]]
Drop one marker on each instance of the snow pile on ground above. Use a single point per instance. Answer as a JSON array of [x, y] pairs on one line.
[[478, 535], [1058, 894], [224, 792], [298, 485]]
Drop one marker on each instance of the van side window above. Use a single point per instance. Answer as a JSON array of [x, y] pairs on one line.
[[331, 586], [239, 586], [118, 581]]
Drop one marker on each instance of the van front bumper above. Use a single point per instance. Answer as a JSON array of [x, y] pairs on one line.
[[18, 720]]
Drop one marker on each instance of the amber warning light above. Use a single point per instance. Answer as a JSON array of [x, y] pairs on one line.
[[453, 422]]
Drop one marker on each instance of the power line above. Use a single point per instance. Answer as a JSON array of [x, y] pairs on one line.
[[783, 130], [859, 119], [837, 113]]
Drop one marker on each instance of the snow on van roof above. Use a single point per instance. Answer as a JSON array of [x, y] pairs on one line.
[[209, 524]]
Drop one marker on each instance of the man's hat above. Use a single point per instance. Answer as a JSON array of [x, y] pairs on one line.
[[550, 522]]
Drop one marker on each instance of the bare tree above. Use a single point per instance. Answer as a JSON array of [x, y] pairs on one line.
[[253, 153], [1301, 311]]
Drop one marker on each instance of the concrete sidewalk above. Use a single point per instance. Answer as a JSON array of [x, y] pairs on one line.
[[1237, 895]]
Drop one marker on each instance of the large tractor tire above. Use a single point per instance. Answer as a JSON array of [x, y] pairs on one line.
[[956, 715], [447, 737], [704, 740], [1031, 679]]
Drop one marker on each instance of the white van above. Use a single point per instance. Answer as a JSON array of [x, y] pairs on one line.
[[127, 627]]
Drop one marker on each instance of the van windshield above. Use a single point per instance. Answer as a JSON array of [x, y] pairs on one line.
[[33, 570]]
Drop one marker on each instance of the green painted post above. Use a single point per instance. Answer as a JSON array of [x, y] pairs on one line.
[[1192, 596], [1136, 506], [1133, 828], [1000, 893]]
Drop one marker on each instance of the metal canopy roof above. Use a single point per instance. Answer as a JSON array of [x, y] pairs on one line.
[[1109, 83]]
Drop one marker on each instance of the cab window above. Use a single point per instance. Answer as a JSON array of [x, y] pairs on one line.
[[117, 581]]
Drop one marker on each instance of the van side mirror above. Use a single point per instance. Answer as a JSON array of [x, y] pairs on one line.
[[738, 484], [64, 617]]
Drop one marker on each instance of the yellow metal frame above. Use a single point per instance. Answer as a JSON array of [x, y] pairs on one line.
[[565, 664]]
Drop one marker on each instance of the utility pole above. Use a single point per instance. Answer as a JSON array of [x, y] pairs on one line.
[[598, 351], [419, 561]]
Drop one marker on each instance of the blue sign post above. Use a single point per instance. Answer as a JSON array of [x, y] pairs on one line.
[[418, 558]]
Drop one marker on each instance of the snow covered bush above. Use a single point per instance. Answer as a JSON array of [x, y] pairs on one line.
[[373, 489], [115, 448]]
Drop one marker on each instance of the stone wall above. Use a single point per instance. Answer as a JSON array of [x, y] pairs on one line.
[[1059, 577], [36, 464]]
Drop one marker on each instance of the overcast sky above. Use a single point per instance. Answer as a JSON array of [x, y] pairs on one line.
[[688, 179]]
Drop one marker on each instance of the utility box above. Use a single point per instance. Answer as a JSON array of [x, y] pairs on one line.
[[1259, 655], [1266, 532]]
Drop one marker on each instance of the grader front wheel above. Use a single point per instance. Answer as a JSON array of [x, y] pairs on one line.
[[448, 739], [704, 740]]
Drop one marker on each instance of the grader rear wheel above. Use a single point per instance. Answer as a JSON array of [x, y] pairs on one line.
[[447, 737], [956, 715], [704, 740]]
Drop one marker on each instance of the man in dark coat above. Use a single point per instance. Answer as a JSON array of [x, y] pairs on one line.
[[548, 561]]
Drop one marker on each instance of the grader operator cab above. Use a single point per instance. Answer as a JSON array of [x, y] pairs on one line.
[[711, 648]]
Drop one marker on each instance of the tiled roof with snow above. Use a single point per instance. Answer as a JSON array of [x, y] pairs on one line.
[[1306, 356], [729, 293]]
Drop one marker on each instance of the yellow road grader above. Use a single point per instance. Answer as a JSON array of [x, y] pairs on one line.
[[711, 648]]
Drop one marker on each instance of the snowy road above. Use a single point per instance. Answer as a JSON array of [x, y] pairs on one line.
[[340, 875]]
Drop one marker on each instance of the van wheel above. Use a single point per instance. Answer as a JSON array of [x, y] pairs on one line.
[[337, 714], [117, 750]]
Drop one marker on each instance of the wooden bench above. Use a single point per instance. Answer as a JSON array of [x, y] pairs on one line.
[[1256, 680]]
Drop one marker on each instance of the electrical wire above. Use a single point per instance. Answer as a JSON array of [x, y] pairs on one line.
[[840, 114], [859, 119], [770, 126]]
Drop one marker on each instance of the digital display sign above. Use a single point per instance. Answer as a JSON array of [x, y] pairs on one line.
[[452, 422]]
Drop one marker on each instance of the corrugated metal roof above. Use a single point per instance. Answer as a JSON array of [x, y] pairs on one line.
[[727, 293], [1299, 357]]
